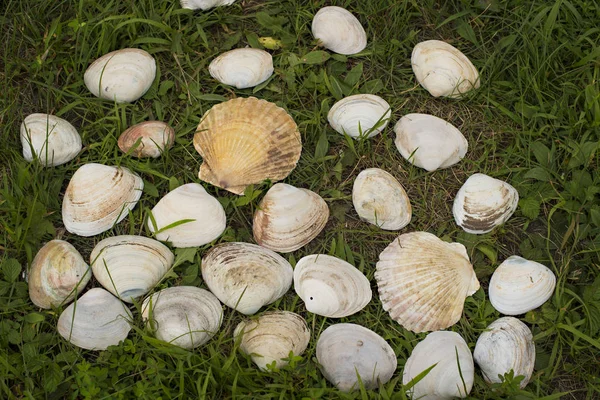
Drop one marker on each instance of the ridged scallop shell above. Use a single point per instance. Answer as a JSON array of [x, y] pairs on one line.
[[482, 203], [98, 197], [242, 68], [445, 381], [429, 142], [50, 139], [343, 350], [288, 218], [129, 266], [189, 201], [185, 316], [272, 336], [381, 200], [443, 70], [339, 31], [58, 274], [204, 4], [507, 344], [519, 285], [95, 321], [154, 137], [423, 281], [331, 287], [245, 141], [245, 276], [362, 113]]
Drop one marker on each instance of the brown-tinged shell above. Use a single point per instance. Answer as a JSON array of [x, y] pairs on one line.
[[154, 137]]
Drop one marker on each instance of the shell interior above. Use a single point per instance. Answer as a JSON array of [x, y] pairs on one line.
[[361, 115], [242, 68], [339, 31], [147, 139]]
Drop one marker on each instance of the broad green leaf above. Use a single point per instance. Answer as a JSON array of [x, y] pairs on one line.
[[466, 31], [269, 22], [539, 174], [373, 86], [212, 97], [354, 75], [173, 183], [253, 41], [11, 269], [34, 318], [541, 153], [185, 254], [322, 146], [530, 208], [150, 189], [315, 57], [333, 86], [489, 252]]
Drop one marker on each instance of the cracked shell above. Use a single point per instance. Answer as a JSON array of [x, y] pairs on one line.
[[242, 68], [204, 4], [339, 31], [362, 113], [154, 137]]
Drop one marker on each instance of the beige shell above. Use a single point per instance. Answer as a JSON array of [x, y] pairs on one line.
[[242, 68], [361, 115], [245, 141], [50, 139], [423, 281], [154, 137], [204, 4], [339, 31], [288, 218]]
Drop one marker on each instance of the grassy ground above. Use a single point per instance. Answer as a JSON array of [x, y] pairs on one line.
[[534, 122]]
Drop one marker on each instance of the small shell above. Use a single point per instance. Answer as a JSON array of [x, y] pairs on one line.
[[242, 68], [519, 285], [272, 336], [50, 139], [288, 218], [345, 350], [483, 203], [380, 199], [362, 113], [331, 287], [204, 4], [429, 142], [154, 136], [339, 31]]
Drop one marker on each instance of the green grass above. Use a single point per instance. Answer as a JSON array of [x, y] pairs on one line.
[[534, 122]]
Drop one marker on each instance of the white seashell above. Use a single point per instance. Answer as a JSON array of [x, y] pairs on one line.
[[445, 381], [204, 4], [443, 70], [331, 287], [339, 31], [123, 75], [380, 199], [95, 321], [129, 266], [361, 115], [185, 316], [272, 336], [429, 142], [507, 344], [189, 201], [423, 281], [288, 218], [519, 285], [154, 137], [483, 203], [50, 139], [242, 68], [345, 350], [245, 276], [98, 197]]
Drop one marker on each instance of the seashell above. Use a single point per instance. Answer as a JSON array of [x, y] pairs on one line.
[[129, 266], [361, 115], [507, 344], [242, 68], [98, 197], [95, 321], [331, 287], [423, 281], [50, 139], [288, 218], [245, 276], [429, 142], [519, 285], [204, 4], [443, 70], [58, 274], [185, 316], [123, 75], [270, 338], [483, 203], [154, 136], [345, 350], [339, 31], [445, 381], [192, 202], [245, 141], [380, 199]]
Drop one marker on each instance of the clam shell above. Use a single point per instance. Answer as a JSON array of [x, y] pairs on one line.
[[362, 113], [204, 4], [154, 136], [443, 70], [245, 141], [423, 281], [50, 139], [98, 197], [380, 199], [483, 203], [339, 31], [245, 276], [288, 218], [331, 287], [429, 142], [345, 350], [519, 285], [242, 68]]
